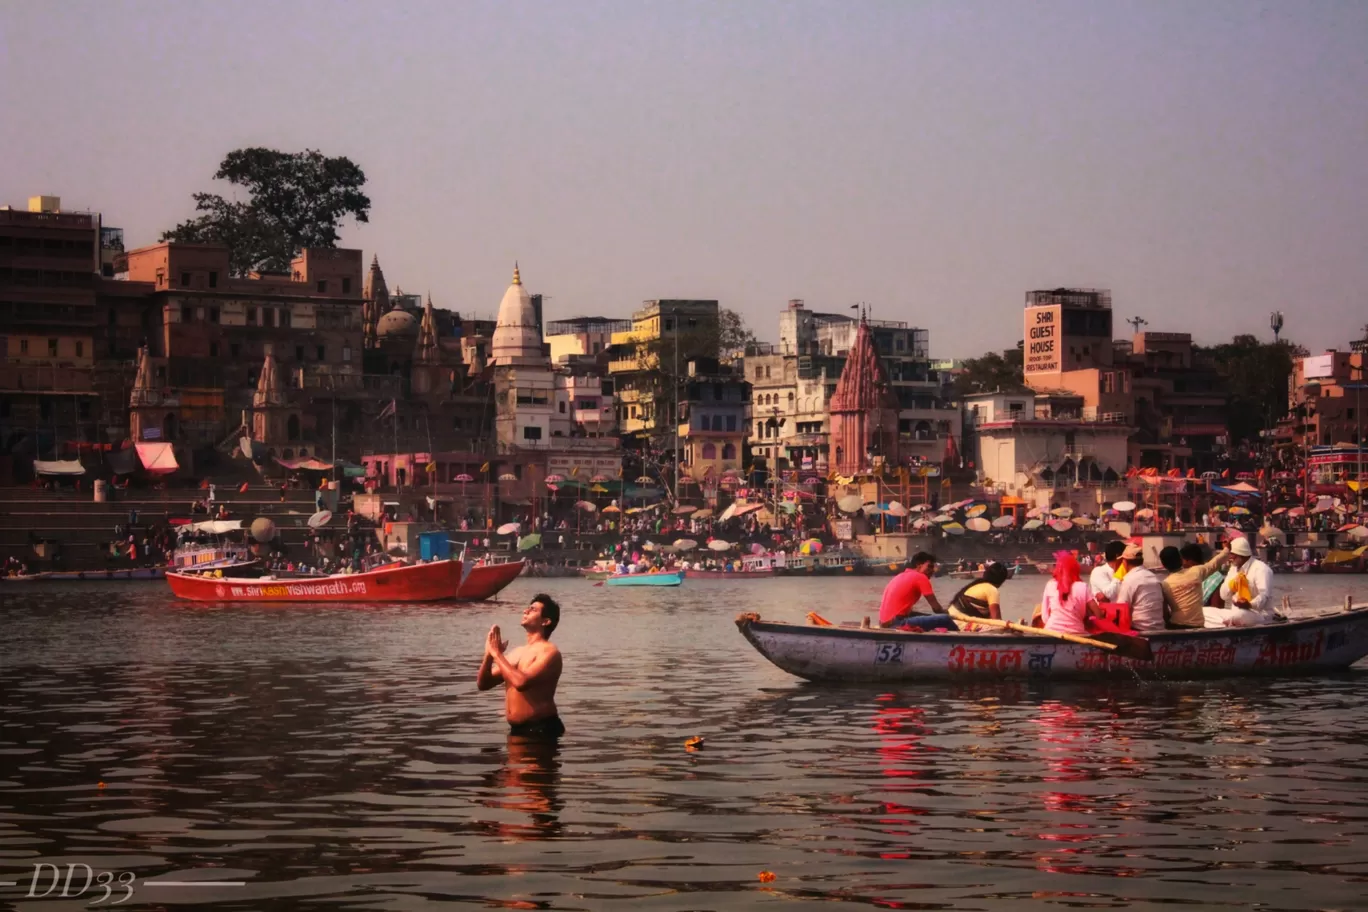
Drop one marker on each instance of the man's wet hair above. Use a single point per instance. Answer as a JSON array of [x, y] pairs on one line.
[[1114, 550], [1171, 558], [920, 558], [550, 611]]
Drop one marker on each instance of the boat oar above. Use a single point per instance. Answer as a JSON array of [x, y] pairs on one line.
[[1132, 647]]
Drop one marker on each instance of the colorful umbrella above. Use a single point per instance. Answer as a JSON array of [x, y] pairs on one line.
[[976, 510], [1062, 512], [1034, 513], [1061, 525], [1084, 521], [705, 513], [978, 524], [528, 542], [600, 478], [896, 509], [1123, 506], [850, 503], [586, 506], [598, 489], [507, 529], [921, 508], [685, 544], [464, 478], [554, 479], [718, 544], [1240, 511], [1004, 522], [508, 476], [645, 480], [1146, 513], [811, 546], [611, 508], [953, 528], [1032, 524]]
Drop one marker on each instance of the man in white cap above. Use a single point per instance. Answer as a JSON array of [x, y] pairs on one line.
[[1142, 591], [1247, 591]]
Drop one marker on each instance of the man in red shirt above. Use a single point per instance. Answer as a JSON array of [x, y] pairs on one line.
[[907, 588]]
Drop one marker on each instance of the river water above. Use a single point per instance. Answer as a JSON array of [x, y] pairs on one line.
[[341, 758]]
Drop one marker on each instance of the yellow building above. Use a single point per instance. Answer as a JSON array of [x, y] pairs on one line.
[[651, 357]]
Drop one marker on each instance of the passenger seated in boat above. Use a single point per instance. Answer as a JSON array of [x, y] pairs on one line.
[[1247, 591], [1102, 583], [980, 598], [1188, 569], [1066, 604], [1140, 589], [529, 673], [903, 592]]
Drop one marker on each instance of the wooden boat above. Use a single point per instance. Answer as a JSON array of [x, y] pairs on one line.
[[672, 578], [1319, 644], [759, 566], [397, 582], [67, 576]]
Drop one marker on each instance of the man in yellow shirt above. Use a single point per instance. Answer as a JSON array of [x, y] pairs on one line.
[[1183, 586]]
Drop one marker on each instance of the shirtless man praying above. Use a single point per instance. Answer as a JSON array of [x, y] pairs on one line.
[[529, 673]]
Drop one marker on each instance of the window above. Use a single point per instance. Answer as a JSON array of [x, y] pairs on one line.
[[299, 353], [234, 350], [346, 353], [322, 286], [731, 422], [213, 279], [213, 349], [532, 432], [456, 423], [669, 325], [285, 318], [23, 346], [185, 279], [562, 407], [709, 451], [213, 315], [187, 314], [80, 353], [322, 353], [52, 348], [251, 316], [728, 451], [759, 373], [346, 284]]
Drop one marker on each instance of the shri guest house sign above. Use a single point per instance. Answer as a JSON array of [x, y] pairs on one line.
[[1042, 340]]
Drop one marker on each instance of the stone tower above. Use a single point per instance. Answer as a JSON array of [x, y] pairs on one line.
[[864, 411], [427, 354], [144, 403], [273, 421], [375, 301]]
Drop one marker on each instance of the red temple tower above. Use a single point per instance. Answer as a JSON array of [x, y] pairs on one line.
[[864, 411]]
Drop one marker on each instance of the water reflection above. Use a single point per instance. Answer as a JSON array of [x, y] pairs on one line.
[[343, 759]]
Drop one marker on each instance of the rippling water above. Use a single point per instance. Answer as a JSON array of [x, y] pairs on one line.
[[341, 758]]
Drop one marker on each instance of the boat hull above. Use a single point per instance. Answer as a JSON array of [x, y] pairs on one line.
[[488, 580], [729, 575], [844, 654], [646, 579], [429, 582]]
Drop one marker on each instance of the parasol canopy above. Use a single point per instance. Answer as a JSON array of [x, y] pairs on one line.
[[942, 518], [978, 524], [1034, 513], [921, 508], [1274, 534], [598, 489], [976, 510], [319, 519], [1032, 524], [263, 529], [507, 528], [1062, 512], [896, 509], [811, 546], [1240, 511], [953, 528], [554, 479], [508, 476], [1146, 513], [645, 480], [1061, 525], [718, 544], [850, 503], [528, 542], [683, 510], [600, 478], [464, 478], [705, 513], [612, 508], [871, 509], [1084, 521], [586, 506], [1123, 506], [1004, 522], [685, 544], [923, 524]]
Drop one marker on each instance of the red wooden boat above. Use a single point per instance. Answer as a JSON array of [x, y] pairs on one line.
[[429, 582]]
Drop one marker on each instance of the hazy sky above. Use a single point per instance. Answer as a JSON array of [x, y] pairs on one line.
[[1205, 160]]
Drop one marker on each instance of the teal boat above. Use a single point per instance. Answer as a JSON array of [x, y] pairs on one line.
[[673, 578]]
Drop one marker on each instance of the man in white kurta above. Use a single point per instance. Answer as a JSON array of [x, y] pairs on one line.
[[1239, 612]]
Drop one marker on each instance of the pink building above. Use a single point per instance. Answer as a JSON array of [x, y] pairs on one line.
[[864, 411]]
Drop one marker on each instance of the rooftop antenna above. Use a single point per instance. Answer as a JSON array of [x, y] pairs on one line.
[[1275, 323], [1138, 322]]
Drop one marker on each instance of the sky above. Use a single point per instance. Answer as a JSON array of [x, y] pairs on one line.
[[1207, 162]]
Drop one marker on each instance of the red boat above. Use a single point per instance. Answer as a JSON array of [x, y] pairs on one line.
[[429, 582]]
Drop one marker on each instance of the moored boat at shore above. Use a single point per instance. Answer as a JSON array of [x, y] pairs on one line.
[[849, 654], [397, 582], [670, 578]]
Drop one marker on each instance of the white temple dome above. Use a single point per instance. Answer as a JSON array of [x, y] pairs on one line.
[[517, 337]]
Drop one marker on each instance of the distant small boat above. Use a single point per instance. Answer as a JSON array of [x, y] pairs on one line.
[[673, 578], [66, 576]]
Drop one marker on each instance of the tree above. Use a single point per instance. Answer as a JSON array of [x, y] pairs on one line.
[[297, 200], [990, 373], [1254, 375], [732, 335]]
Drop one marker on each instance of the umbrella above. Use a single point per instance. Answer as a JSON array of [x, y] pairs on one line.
[[1061, 525], [896, 509], [923, 524], [1084, 521], [1004, 522], [685, 544], [463, 478], [1146, 513], [1280, 510], [811, 546], [1297, 511], [649, 546], [812, 480], [1358, 533], [942, 518], [507, 529], [976, 510], [552, 487], [921, 508], [645, 480], [953, 528], [263, 529], [586, 506], [683, 510], [528, 542], [1034, 513], [757, 548], [1032, 524], [959, 505], [599, 478], [1273, 533], [978, 524], [1123, 506], [718, 544], [705, 513], [850, 503], [871, 509], [611, 508], [1062, 512], [554, 479], [319, 519], [1240, 511], [508, 476], [599, 489]]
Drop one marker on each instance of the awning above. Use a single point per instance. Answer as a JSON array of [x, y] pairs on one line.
[[1237, 491], [312, 465], [157, 458], [59, 467], [213, 526]]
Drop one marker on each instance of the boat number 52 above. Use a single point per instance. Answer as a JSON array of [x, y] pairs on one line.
[[888, 652]]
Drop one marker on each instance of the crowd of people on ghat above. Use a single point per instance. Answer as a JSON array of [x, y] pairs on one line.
[[1231, 588]]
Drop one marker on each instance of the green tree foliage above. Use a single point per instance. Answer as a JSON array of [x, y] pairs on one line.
[[1255, 376], [991, 373], [296, 200], [732, 334]]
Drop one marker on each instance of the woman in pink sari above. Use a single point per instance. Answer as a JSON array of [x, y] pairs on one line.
[[1066, 602]]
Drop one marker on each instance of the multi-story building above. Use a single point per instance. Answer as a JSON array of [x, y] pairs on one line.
[[648, 364], [1179, 407], [712, 425], [580, 338]]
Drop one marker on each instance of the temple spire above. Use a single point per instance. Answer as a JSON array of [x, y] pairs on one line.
[[517, 279]]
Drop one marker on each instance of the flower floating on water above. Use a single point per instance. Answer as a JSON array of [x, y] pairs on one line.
[[101, 785], [766, 876], [693, 743]]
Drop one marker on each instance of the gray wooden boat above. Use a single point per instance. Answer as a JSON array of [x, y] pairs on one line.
[[1318, 644]]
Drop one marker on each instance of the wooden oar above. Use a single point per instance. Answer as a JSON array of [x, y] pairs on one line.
[[1132, 647]]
